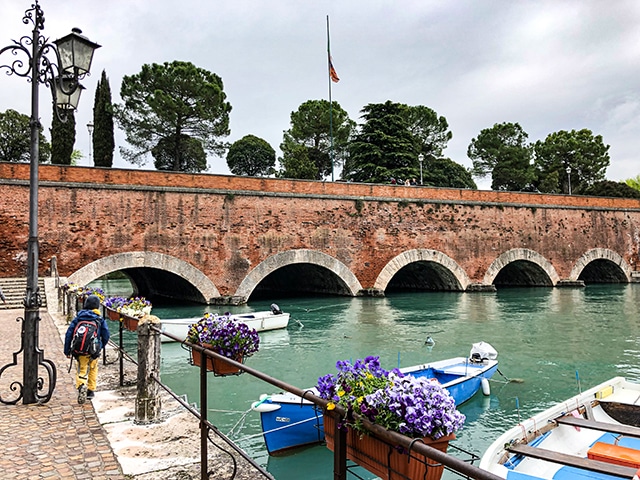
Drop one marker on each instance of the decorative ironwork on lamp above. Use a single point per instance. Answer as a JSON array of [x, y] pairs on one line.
[[72, 60]]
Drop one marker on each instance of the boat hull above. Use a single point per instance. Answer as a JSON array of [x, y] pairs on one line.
[[293, 422], [260, 321], [289, 422], [576, 431]]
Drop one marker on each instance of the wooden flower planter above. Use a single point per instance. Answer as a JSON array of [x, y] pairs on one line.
[[112, 314], [130, 323], [218, 367], [383, 459]]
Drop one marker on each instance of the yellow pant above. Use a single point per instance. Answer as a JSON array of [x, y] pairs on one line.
[[87, 373]]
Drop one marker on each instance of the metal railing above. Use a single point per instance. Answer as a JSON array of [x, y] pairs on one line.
[[340, 469], [340, 448]]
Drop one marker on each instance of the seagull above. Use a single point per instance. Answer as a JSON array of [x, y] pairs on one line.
[[429, 341]]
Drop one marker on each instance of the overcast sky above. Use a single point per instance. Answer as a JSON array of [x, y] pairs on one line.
[[548, 65]]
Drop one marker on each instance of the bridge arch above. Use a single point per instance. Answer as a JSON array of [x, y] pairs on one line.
[[521, 267], [601, 265], [153, 274], [301, 270], [422, 269]]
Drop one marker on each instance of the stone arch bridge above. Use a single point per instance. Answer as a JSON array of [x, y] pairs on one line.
[[225, 239]]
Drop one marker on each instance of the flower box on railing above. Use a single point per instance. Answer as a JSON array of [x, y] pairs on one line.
[[112, 314], [217, 366], [129, 322], [385, 460], [226, 337], [384, 398]]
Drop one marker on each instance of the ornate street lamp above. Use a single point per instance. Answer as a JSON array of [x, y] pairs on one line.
[[569, 178], [71, 61], [421, 159]]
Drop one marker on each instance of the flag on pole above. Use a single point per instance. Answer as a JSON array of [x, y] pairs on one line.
[[333, 77], [332, 72]]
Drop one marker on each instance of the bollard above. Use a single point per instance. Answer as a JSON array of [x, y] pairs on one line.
[[148, 402]]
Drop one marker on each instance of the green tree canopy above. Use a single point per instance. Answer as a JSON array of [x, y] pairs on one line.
[[502, 151], [444, 172], [179, 153], [384, 148], [390, 141], [63, 136], [15, 139], [312, 126], [102, 139], [633, 182], [251, 156], [296, 162], [430, 132], [583, 153], [608, 188], [175, 100]]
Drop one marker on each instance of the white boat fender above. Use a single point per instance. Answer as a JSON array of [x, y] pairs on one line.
[[486, 388], [262, 407]]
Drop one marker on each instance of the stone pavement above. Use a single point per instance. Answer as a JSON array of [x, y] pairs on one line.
[[98, 440], [58, 439]]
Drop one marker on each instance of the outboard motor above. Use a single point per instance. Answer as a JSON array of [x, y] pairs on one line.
[[482, 351], [275, 309]]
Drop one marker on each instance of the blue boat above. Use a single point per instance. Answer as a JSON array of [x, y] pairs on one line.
[[288, 421]]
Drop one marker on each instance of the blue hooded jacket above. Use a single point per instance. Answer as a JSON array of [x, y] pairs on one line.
[[103, 332]]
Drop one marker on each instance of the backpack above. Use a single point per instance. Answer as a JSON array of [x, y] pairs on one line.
[[85, 339]]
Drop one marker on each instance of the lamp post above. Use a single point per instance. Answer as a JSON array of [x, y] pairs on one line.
[[569, 178], [90, 128], [421, 159], [70, 62]]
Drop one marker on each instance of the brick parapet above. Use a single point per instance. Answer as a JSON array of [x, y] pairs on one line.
[[236, 185]]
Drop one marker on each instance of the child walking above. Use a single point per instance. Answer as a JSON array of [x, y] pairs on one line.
[[87, 373]]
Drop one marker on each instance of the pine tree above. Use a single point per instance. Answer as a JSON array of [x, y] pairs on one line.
[[63, 137], [103, 142]]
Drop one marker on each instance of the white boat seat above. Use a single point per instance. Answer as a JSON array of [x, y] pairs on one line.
[[621, 429], [458, 370]]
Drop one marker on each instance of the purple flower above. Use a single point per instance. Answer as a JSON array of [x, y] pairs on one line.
[[226, 336], [416, 407]]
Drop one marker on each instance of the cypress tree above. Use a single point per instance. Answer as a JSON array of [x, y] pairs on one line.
[[103, 138], [63, 137]]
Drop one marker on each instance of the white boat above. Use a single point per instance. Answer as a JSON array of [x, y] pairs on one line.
[[260, 321], [578, 439]]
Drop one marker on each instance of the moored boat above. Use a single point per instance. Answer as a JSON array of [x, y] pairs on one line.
[[575, 439], [260, 321], [288, 421]]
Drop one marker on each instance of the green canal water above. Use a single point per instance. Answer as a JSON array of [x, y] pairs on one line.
[[550, 343]]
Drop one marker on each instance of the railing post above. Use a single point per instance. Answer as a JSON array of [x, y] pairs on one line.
[[148, 402], [339, 452], [204, 427], [121, 352]]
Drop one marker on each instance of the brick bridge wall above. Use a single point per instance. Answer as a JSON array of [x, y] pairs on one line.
[[226, 233]]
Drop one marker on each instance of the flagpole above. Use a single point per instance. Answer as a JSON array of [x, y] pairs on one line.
[[329, 66]]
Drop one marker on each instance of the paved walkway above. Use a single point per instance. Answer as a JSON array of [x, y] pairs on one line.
[[56, 440], [98, 440]]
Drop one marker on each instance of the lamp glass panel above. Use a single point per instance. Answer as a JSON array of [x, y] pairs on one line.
[[64, 99]]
